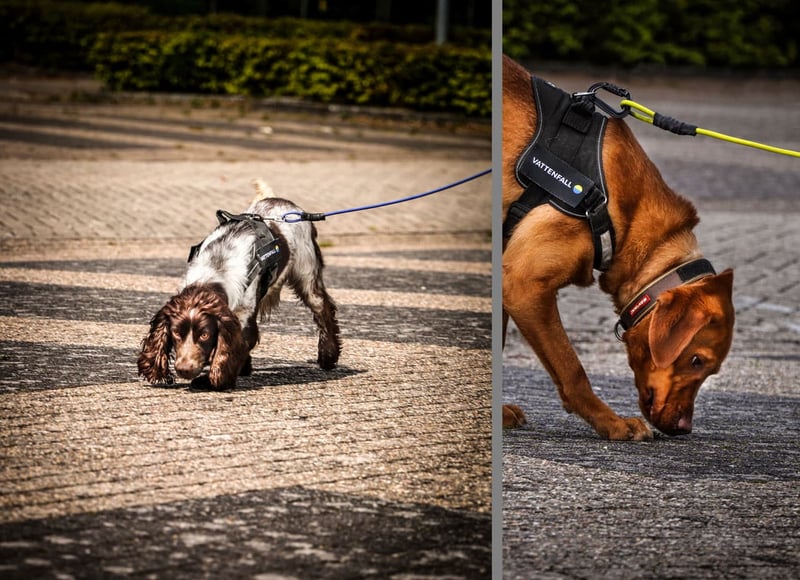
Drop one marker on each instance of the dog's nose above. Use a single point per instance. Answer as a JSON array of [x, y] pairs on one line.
[[669, 426], [185, 369], [684, 425]]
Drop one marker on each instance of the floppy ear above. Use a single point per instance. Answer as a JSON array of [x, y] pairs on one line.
[[153, 361], [680, 313], [230, 353], [677, 317]]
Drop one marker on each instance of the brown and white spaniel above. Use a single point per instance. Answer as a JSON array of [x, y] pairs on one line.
[[235, 276]]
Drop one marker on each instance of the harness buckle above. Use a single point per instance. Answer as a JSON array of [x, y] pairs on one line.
[[592, 209], [226, 216]]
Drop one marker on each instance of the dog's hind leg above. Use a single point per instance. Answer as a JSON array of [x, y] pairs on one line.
[[311, 291], [329, 346], [322, 305]]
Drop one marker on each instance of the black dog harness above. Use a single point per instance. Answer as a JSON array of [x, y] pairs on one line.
[[562, 165], [266, 249]]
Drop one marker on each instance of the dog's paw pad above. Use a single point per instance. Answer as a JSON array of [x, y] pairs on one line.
[[167, 381]]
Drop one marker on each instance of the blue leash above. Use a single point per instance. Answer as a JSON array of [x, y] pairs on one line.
[[299, 216]]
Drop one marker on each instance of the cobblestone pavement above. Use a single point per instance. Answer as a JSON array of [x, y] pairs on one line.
[[723, 502], [380, 468], [300, 473]]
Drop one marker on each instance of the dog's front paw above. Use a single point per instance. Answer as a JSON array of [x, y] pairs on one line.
[[166, 381], [628, 429], [513, 417]]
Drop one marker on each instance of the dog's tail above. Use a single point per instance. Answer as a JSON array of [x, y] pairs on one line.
[[263, 191]]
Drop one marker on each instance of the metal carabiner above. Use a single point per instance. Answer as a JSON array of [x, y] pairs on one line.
[[293, 217], [591, 94]]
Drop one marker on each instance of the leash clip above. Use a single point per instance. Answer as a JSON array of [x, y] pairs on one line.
[[591, 95], [294, 217]]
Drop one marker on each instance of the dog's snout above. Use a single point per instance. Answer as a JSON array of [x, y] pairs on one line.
[[669, 418]]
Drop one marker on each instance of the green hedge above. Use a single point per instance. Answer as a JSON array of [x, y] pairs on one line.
[[421, 77], [368, 64], [717, 33]]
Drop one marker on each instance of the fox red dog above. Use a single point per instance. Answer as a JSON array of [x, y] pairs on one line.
[[687, 331]]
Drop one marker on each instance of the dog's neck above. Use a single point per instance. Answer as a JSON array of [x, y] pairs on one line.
[[663, 258], [651, 240]]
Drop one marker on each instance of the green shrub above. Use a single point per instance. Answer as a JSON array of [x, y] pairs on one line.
[[430, 78], [366, 64]]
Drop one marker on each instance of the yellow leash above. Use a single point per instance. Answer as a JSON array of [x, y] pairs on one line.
[[644, 114]]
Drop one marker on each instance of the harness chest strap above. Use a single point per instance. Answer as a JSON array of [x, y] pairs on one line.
[[645, 301]]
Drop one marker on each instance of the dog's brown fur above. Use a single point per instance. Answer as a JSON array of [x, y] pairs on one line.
[[675, 347]]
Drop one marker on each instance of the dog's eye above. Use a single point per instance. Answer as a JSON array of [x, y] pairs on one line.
[[697, 362], [204, 335]]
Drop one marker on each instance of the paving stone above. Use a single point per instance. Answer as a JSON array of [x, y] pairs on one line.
[[380, 468]]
